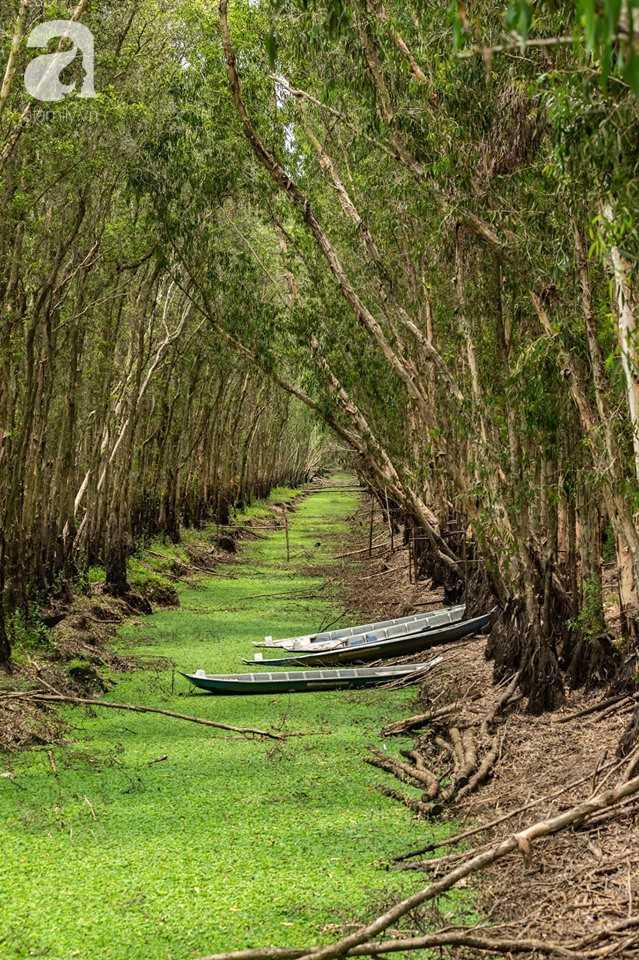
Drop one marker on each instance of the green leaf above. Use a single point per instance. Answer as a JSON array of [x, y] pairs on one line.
[[612, 10], [272, 46], [458, 26], [631, 72], [518, 17], [511, 16], [524, 21], [590, 23]]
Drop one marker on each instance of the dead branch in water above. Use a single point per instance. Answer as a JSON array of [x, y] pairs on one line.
[[34, 695]]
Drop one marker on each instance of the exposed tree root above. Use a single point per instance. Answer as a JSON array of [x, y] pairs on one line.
[[417, 775], [630, 736], [401, 727], [465, 766], [593, 662], [469, 762], [431, 781], [516, 644], [418, 806], [484, 770]]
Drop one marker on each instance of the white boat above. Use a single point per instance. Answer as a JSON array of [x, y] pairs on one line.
[[364, 633]]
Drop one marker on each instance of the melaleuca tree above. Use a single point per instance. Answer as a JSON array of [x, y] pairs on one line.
[[413, 192], [120, 413], [417, 222]]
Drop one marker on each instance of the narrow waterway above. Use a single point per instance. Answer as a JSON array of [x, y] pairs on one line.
[[222, 843]]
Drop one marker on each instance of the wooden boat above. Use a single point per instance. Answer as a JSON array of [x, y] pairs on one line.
[[336, 639], [359, 651], [305, 681]]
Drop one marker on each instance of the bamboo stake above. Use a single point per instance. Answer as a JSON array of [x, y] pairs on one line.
[[370, 529], [390, 523], [288, 549]]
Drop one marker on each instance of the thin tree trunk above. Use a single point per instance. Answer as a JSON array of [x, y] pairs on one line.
[[627, 306]]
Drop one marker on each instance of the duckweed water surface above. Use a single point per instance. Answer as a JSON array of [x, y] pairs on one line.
[[226, 843]]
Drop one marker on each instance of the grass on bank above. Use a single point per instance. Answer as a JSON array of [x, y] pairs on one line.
[[155, 839]]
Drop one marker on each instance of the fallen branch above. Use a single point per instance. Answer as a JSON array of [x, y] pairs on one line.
[[82, 701], [465, 834], [499, 705], [420, 720], [602, 705], [521, 841], [624, 706], [382, 573], [375, 543], [427, 866], [405, 772], [472, 938]]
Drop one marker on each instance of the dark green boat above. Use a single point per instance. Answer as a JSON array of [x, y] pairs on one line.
[[305, 681], [358, 651]]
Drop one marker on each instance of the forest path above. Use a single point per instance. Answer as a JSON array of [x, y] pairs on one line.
[[224, 843]]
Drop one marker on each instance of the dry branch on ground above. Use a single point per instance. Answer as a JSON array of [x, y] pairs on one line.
[[361, 942], [35, 696]]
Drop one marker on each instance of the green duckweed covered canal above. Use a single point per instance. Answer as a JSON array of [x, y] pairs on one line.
[[226, 843]]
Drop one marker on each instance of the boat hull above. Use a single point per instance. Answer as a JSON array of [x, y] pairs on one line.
[[332, 639], [305, 681], [370, 651]]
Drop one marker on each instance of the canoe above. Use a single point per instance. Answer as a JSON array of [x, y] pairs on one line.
[[335, 639], [382, 649], [402, 629], [305, 681]]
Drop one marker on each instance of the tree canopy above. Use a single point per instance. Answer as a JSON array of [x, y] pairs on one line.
[[408, 227]]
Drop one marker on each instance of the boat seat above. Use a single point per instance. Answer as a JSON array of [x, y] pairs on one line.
[[399, 631]]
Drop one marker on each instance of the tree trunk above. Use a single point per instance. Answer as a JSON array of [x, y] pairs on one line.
[[116, 553], [627, 304], [5, 644]]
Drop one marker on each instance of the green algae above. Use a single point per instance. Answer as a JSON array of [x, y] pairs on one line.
[[225, 843]]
